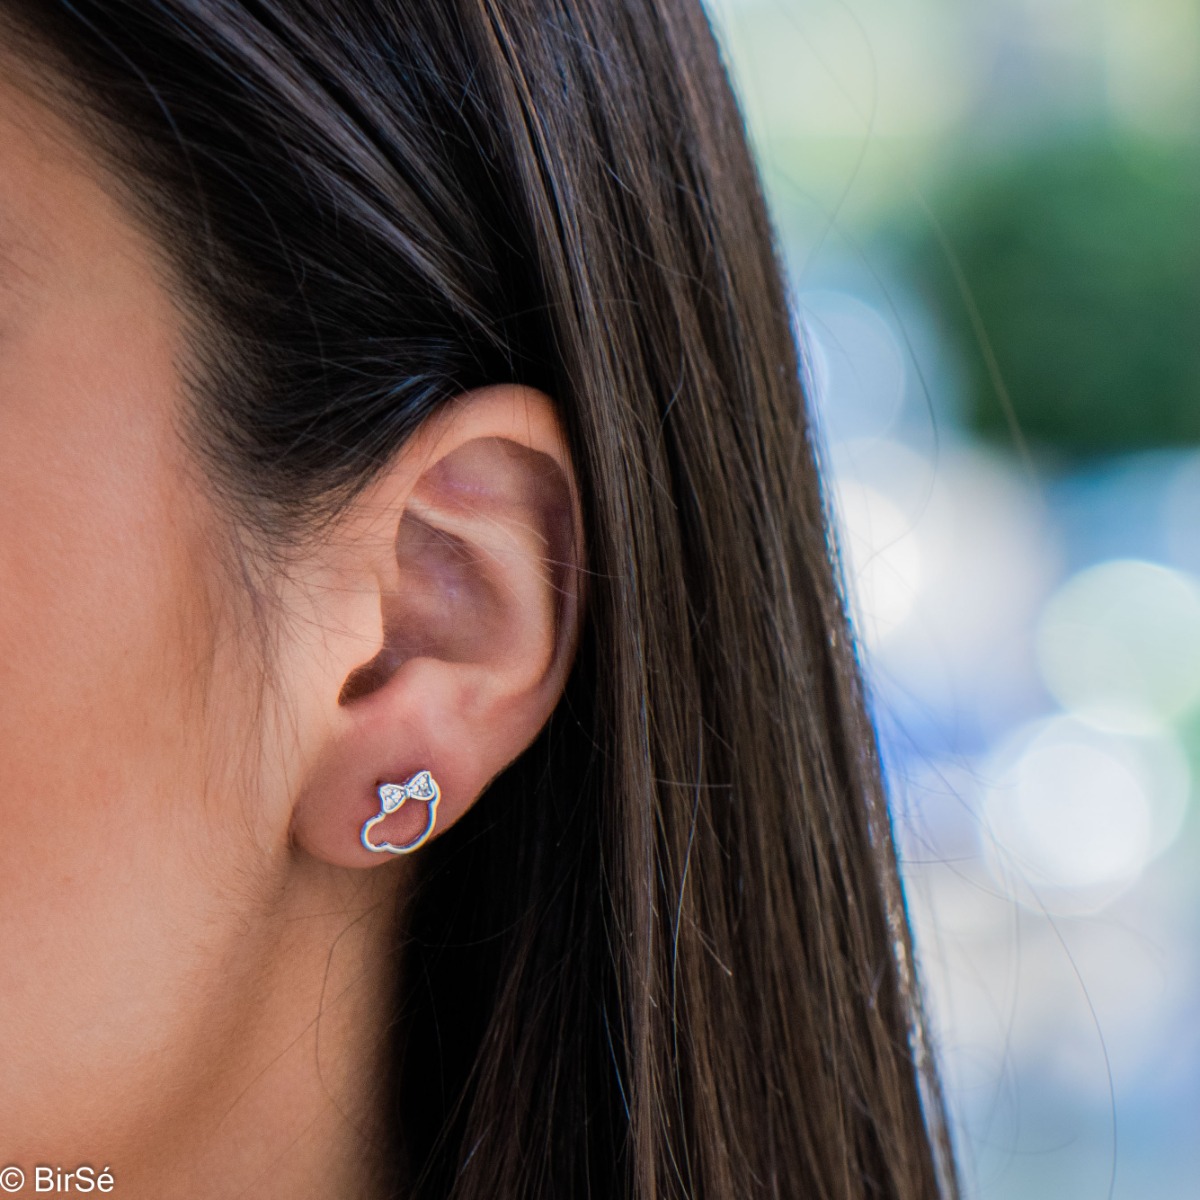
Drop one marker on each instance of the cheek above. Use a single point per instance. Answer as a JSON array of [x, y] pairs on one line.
[[92, 682], [117, 821]]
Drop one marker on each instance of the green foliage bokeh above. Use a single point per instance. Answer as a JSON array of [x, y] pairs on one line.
[[1082, 259]]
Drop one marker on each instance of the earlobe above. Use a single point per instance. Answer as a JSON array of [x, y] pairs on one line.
[[478, 601]]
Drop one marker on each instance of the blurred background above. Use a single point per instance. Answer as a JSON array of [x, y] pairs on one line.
[[990, 213]]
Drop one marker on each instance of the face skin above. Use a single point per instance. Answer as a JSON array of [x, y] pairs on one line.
[[195, 977], [131, 844]]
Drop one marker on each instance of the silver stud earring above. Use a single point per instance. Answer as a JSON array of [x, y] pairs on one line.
[[393, 797]]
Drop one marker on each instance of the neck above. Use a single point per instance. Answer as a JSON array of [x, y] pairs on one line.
[[290, 1099]]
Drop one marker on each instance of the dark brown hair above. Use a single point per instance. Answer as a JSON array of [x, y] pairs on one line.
[[666, 955]]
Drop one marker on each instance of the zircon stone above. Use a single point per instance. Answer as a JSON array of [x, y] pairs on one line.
[[420, 787], [391, 796]]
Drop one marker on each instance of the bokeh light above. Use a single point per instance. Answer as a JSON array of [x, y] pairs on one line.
[[883, 560], [1073, 817], [1119, 646]]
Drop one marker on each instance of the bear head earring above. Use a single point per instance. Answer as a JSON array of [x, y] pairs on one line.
[[392, 797]]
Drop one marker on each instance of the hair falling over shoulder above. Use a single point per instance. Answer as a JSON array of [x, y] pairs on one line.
[[667, 954]]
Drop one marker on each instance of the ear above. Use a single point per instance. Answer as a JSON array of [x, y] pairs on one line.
[[451, 622]]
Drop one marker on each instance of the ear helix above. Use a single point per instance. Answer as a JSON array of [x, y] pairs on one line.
[[392, 797]]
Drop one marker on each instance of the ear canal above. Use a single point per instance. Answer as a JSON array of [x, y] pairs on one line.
[[362, 681]]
